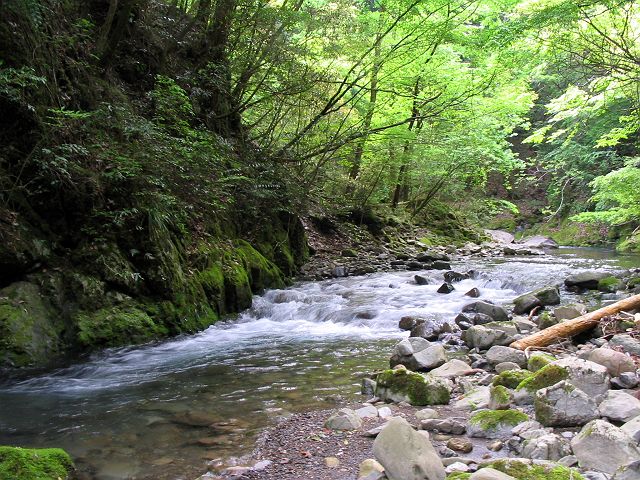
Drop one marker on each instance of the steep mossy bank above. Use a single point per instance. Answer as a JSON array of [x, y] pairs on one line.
[[102, 295]]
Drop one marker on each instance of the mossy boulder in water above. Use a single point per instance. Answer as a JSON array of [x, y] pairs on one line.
[[29, 328], [402, 385], [35, 464]]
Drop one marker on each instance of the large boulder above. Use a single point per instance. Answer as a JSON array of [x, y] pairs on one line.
[[585, 280], [406, 454], [628, 472], [539, 241], [549, 295], [619, 406], [615, 362], [604, 447], [548, 446], [418, 354], [590, 377], [401, 385], [500, 236], [452, 369], [489, 334], [430, 358], [568, 312], [563, 405], [632, 428], [496, 312]]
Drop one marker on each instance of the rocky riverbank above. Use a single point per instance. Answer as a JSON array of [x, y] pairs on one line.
[[458, 402]]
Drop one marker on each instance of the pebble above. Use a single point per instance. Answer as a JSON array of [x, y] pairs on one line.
[[457, 467], [496, 445], [331, 462], [460, 445], [385, 412]]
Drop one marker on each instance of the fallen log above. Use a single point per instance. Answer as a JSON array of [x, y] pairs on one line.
[[575, 326]]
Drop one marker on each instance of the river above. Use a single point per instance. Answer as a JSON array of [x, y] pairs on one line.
[[137, 412]]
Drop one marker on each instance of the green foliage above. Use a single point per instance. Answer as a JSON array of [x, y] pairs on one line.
[[524, 471], [545, 377], [173, 110], [35, 464]]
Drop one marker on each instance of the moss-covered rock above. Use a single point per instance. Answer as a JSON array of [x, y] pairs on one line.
[[35, 464], [527, 470], [546, 320], [545, 377], [459, 476], [118, 325], [30, 330], [499, 397], [610, 284], [510, 378], [494, 423], [417, 389], [538, 360]]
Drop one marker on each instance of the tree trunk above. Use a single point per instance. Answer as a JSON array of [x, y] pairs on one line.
[[577, 325]]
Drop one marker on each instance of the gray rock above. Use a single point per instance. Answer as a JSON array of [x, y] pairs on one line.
[[414, 388], [539, 241], [446, 288], [564, 405], [568, 312], [619, 406], [473, 293], [525, 303], [498, 314], [632, 428], [426, 414], [420, 280], [604, 447], [452, 369], [590, 377], [500, 428], [368, 411], [431, 357], [586, 280], [546, 447], [340, 272], [626, 342], [499, 354], [628, 472], [474, 399], [625, 380], [403, 352], [344, 419], [488, 473], [506, 366], [569, 461], [451, 425], [405, 454], [615, 362], [369, 467], [368, 387], [500, 236]]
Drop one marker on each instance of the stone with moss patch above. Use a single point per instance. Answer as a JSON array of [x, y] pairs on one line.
[[499, 397], [418, 389], [511, 378], [545, 377], [35, 464], [539, 360], [546, 320], [522, 469], [610, 284], [459, 476], [494, 423]]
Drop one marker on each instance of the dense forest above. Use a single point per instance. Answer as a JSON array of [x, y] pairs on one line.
[[157, 156]]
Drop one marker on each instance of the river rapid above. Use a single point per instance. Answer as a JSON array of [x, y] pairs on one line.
[[164, 410]]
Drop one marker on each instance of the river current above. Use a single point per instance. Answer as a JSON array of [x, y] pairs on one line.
[[164, 410]]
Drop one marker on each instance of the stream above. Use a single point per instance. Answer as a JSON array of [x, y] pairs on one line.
[[164, 410]]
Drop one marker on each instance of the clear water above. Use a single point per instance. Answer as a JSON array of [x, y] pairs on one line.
[[162, 411]]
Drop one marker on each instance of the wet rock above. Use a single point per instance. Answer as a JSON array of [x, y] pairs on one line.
[[488, 473], [195, 419], [344, 419], [619, 406], [585, 280], [406, 454], [615, 362], [445, 288], [546, 447], [498, 314], [499, 354], [604, 447], [494, 424], [414, 388], [432, 256], [451, 425], [340, 271], [441, 265], [473, 293], [452, 369], [549, 295], [460, 445], [420, 280], [564, 405], [407, 323], [626, 342]]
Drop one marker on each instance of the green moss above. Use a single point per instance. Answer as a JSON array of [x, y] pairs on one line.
[[539, 360], [523, 471], [633, 283], [415, 387], [459, 476], [115, 326], [500, 395], [610, 284], [510, 378], [492, 419], [630, 244], [545, 377], [34, 464], [567, 232], [546, 320]]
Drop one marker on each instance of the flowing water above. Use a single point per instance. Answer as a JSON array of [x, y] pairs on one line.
[[163, 411]]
